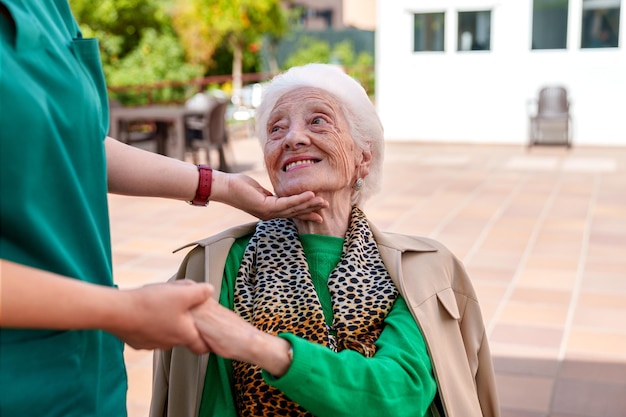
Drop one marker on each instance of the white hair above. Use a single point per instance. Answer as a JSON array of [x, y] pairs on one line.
[[361, 117]]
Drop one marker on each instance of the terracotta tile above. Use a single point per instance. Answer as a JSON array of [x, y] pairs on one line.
[[596, 370], [607, 238], [525, 393], [603, 300], [529, 350], [541, 296], [562, 262], [600, 319], [598, 254], [614, 282], [121, 258], [563, 415], [567, 246], [589, 399], [494, 275], [132, 278], [534, 314], [519, 334], [487, 290], [615, 211], [138, 408], [597, 264], [459, 246], [547, 367], [603, 344], [498, 240], [551, 279], [142, 245], [498, 257], [489, 310], [524, 209], [169, 261]]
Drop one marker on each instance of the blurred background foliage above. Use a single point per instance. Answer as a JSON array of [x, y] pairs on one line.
[[168, 43], [309, 49]]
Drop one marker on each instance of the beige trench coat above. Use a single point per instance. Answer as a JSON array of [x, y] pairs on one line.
[[432, 281]]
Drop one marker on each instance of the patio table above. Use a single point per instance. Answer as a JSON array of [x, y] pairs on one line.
[[173, 116]]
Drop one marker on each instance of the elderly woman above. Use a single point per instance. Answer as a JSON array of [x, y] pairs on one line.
[[331, 318]]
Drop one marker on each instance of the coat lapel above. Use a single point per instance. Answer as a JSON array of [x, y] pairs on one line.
[[391, 247]]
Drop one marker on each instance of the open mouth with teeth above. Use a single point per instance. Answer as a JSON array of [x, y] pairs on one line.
[[295, 164]]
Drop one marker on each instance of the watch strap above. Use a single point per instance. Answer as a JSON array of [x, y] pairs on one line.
[[204, 186]]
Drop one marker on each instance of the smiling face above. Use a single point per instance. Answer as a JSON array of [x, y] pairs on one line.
[[309, 146]]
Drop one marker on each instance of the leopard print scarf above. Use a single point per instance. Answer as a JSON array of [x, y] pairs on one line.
[[274, 291]]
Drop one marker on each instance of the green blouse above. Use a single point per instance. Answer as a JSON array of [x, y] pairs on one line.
[[398, 381]]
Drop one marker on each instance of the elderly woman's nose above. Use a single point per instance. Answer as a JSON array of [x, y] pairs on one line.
[[295, 137]]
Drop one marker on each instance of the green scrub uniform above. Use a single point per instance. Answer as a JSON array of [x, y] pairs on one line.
[[53, 207], [398, 381]]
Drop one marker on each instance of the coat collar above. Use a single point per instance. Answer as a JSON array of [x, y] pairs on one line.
[[402, 243], [392, 241], [232, 233]]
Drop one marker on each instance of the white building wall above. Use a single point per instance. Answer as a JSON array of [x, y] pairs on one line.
[[483, 96]]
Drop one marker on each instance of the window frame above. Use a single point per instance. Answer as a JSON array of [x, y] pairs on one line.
[[441, 31], [563, 37], [609, 36], [458, 27]]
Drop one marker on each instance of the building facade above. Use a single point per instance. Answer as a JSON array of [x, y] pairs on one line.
[[332, 22], [336, 14], [469, 71]]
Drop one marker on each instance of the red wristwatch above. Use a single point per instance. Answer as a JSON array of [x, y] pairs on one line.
[[204, 186]]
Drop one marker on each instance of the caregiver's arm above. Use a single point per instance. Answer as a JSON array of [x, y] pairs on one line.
[[153, 316], [133, 171]]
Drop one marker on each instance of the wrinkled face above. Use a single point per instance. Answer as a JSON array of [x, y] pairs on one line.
[[309, 146]]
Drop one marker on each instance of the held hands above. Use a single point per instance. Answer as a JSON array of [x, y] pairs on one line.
[[230, 336], [159, 316], [182, 313], [227, 334], [244, 193]]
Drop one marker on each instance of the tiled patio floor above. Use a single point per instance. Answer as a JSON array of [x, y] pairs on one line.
[[542, 233]]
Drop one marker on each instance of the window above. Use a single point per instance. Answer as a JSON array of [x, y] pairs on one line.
[[311, 18], [474, 32], [549, 24], [600, 26], [428, 32]]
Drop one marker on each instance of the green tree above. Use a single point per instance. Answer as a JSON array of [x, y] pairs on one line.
[[138, 45], [158, 57], [124, 20], [205, 24], [309, 49]]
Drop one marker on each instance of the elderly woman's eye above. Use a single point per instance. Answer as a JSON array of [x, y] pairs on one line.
[[318, 120]]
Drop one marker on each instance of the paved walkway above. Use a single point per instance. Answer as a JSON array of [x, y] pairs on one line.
[[542, 233]]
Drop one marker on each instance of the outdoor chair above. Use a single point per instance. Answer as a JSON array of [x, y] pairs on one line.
[[141, 131], [551, 123], [209, 132]]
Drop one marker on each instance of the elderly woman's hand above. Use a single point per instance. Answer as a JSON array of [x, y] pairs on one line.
[[243, 192], [230, 336]]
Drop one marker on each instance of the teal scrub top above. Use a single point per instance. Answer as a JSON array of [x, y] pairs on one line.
[[53, 207]]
